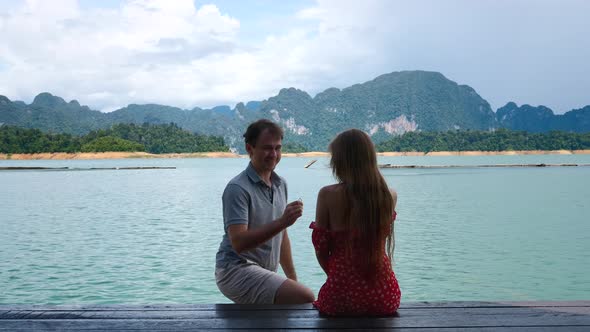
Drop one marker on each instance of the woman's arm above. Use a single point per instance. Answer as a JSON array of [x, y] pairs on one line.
[[322, 219]]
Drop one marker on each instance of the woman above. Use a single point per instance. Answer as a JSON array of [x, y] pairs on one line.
[[353, 232]]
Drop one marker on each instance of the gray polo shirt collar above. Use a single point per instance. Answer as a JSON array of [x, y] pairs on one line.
[[254, 177]]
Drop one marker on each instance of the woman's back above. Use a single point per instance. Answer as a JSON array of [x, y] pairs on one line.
[[335, 201]]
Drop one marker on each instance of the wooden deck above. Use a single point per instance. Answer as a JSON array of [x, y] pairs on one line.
[[446, 316]]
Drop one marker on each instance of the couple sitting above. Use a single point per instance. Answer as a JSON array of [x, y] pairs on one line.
[[352, 234]]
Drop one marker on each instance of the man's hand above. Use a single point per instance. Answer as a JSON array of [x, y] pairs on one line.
[[243, 239], [293, 211]]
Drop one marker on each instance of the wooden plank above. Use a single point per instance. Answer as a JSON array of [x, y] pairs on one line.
[[458, 329], [409, 318], [272, 323], [257, 307], [171, 307], [281, 312], [499, 304], [493, 316], [289, 314]]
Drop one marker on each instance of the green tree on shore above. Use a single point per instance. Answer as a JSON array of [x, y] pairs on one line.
[[110, 143], [499, 140], [167, 138], [21, 140]]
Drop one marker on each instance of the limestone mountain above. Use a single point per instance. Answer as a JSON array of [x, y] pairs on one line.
[[52, 114], [388, 105], [542, 119]]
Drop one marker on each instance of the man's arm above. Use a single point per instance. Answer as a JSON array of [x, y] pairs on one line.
[[287, 258], [243, 239]]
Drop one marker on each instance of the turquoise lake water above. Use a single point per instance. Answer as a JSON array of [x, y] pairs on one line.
[[150, 236]]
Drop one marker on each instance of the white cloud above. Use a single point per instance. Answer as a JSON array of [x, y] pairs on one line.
[[101, 56], [528, 51], [171, 52]]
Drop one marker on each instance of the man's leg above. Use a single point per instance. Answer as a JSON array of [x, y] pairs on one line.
[[292, 292]]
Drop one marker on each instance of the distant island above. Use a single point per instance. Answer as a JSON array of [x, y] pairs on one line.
[[147, 141], [145, 155], [386, 107]]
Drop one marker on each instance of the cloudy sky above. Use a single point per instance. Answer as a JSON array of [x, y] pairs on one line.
[[185, 53]]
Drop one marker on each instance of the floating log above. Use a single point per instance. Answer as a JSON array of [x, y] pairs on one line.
[[30, 168], [475, 166], [310, 163], [20, 168], [126, 168]]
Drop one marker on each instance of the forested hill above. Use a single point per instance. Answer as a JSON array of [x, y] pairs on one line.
[[541, 119], [498, 140], [385, 107], [121, 137]]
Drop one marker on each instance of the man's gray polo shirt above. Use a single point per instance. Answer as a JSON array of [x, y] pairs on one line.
[[248, 200]]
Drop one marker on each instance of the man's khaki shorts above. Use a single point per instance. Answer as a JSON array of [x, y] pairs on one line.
[[248, 283]]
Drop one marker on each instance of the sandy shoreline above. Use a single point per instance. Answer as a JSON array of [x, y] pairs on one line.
[[145, 155]]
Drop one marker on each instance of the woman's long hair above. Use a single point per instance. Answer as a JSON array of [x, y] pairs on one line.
[[370, 204]]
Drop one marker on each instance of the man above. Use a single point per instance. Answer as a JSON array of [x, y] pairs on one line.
[[256, 217]]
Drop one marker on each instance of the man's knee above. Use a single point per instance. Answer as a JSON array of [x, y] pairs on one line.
[[308, 296], [292, 292]]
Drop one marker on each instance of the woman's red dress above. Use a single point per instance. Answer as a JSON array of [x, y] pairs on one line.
[[346, 291]]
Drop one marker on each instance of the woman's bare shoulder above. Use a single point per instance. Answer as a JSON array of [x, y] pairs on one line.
[[326, 200], [394, 197], [337, 187], [332, 191], [393, 193]]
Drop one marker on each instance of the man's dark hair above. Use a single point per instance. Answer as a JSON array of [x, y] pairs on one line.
[[256, 128]]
